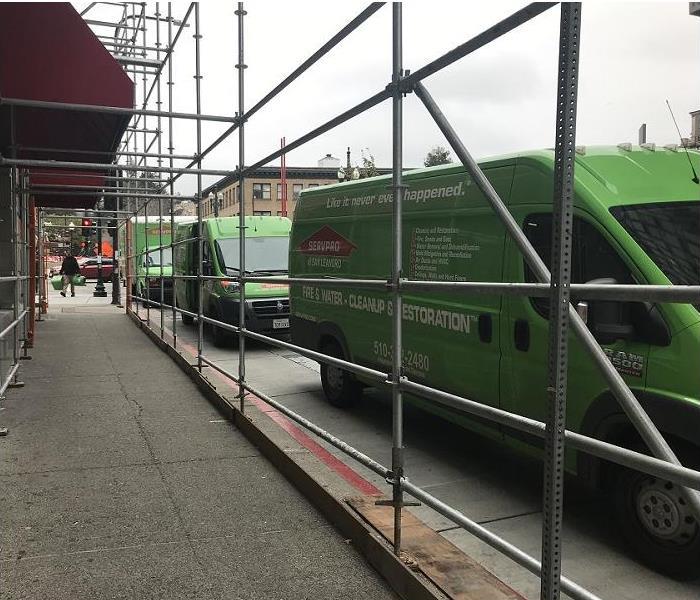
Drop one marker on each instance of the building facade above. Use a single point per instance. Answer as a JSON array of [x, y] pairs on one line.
[[263, 191], [695, 128]]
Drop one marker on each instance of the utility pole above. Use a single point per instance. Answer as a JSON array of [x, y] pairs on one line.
[[283, 178]]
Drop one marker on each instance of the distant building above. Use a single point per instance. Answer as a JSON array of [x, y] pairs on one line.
[[263, 189], [695, 129], [329, 161], [185, 208]]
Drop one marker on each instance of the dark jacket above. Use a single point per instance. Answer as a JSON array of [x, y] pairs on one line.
[[70, 266]]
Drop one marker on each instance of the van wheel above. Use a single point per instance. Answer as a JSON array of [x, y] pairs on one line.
[[658, 523], [340, 387], [187, 319], [219, 335]]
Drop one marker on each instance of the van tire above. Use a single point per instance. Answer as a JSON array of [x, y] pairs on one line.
[[219, 335], [676, 551], [187, 319], [340, 387]]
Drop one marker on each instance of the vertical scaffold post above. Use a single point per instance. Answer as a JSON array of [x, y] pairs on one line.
[[169, 58], [134, 256], [562, 223], [31, 272], [40, 272], [397, 456], [146, 260], [116, 247], [14, 203], [159, 104], [240, 13], [16, 211], [200, 241], [26, 339]]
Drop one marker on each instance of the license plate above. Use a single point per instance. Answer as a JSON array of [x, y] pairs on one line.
[[280, 323]]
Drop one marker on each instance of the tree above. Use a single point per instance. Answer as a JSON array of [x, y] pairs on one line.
[[437, 156], [368, 169]]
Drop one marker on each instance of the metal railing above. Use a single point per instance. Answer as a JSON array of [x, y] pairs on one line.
[[16, 212], [556, 286]]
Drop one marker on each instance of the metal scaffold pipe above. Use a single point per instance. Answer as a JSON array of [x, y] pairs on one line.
[[200, 208], [115, 110], [171, 149], [558, 350], [397, 447], [241, 66]]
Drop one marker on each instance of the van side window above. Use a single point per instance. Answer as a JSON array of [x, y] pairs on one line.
[[592, 257]]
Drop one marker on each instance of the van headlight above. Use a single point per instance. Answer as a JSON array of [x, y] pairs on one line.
[[230, 286]]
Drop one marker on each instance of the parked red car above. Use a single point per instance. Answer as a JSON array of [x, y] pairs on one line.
[[88, 267]]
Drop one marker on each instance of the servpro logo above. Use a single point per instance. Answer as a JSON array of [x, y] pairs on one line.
[[327, 242]]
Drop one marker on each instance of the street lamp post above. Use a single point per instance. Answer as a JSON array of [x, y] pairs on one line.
[[215, 200], [100, 291]]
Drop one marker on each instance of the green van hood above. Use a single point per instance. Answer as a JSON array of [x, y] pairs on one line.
[[258, 290], [155, 271]]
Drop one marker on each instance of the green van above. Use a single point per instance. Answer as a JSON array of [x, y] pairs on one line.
[[636, 220], [266, 254], [145, 234]]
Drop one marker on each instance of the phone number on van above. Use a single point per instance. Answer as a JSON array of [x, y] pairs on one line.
[[411, 360]]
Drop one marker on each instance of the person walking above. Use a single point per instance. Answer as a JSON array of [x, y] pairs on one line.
[[69, 269]]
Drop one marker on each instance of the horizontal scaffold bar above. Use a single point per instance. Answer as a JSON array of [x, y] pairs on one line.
[[145, 194], [62, 164], [113, 110]]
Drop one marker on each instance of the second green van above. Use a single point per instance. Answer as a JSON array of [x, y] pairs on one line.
[[266, 254]]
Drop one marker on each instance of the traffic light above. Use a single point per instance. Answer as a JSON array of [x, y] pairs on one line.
[[86, 227]]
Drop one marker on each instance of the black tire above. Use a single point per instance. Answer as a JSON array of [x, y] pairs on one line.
[[187, 319], [340, 387], [219, 336], [656, 522]]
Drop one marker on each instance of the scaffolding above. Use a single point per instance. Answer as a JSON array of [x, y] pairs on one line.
[[144, 174]]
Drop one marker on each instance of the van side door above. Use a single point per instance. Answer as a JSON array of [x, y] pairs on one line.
[[455, 334]]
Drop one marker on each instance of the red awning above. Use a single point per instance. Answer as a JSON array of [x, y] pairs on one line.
[[61, 180], [48, 53]]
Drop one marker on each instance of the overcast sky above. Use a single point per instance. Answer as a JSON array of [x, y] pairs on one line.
[[501, 98]]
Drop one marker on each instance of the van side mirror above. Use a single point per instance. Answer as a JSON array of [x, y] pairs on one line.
[[608, 320], [612, 320]]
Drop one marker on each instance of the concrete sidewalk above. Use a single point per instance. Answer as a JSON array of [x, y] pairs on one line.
[[119, 480]]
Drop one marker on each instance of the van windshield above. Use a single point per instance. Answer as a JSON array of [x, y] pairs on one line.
[[262, 254], [152, 259], [668, 233]]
